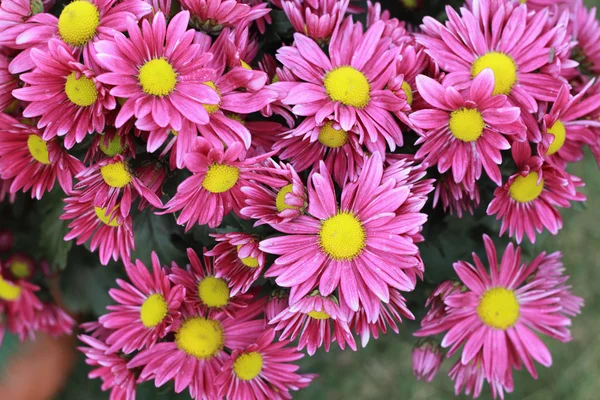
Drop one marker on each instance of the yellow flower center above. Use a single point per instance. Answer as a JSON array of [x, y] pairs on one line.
[[154, 310], [220, 178], [105, 217], [466, 124], [408, 92], [212, 108], [342, 237], [116, 175], [498, 308], [78, 22], [410, 4], [248, 365], [245, 65], [9, 291], [213, 292], [348, 86], [82, 91], [503, 67], [251, 262], [560, 134], [525, 188], [114, 146], [200, 337], [319, 315], [331, 137], [280, 199], [19, 269], [38, 149], [157, 77]]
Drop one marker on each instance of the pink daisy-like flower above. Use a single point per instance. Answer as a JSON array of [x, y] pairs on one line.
[[238, 259], [585, 30], [212, 16], [20, 305], [111, 185], [465, 132], [195, 356], [153, 176], [456, 198], [501, 36], [527, 202], [110, 143], [394, 28], [275, 205], [147, 308], [205, 290], [214, 189], [159, 71], [110, 233], [111, 369], [310, 319], [349, 85], [278, 301], [18, 266], [32, 162], [55, 321], [361, 246], [7, 83], [14, 14], [316, 19], [497, 313], [79, 102], [263, 371], [427, 358]]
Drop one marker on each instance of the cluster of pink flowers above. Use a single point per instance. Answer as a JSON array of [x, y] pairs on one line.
[[131, 106]]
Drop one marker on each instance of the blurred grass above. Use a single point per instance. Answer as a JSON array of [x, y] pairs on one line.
[[383, 369]]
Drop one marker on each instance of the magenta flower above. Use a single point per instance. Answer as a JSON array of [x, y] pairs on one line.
[[360, 247], [159, 71], [310, 319], [456, 198], [316, 19], [80, 103], [20, 306], [263, 370], [427, 358], [585, 29], [18, 266], [212, 16], [528, 201], [54, 321], [7, 83], [465, 132]]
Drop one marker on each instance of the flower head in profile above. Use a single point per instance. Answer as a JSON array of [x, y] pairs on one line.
[[456, 198], [316, 19], [211, 16], [427, 358]]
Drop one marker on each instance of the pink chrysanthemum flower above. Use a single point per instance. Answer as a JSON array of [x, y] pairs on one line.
[[111, 185], [264, 370], [195, 356], [31, 162], [81, 23], [147, 309], [350, 84], [528, 201], [7, 83], [21, 306], [212, 16], [456, 198], [159, 71], [14, 14], [18, 266], [111, 369], [278, 301], [238, 259], [110, 233], [339, 246], [205, 290], [275, 205], [214, 189], [178, 143], [153, 176], [465, 132], [496, 315], [316, 19], [54, 321], [110, 143], [79, 102], [501, 36], [470, 378], [394, 28], [427, 358], [585, 30]]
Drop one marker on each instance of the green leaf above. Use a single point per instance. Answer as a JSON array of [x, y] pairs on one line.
[[52, 246], [156, 233], [8, 346]]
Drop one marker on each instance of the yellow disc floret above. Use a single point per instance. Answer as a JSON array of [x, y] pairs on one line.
[[319, 315], [200, 337], [220, 178], [212, 108], [78, 22], [82, 91], [526, 188], [498, 308], [106, 218], [331, 137], [245, 65], [560, 135], [213, 292], [38, 149], [408, 92], [116, 175], [9, 291], [248, 365], [342, 237], [157, 77], [19, 269], [466, 124], [154, 310], [503, 67], [280, 199], [348, 86], [114, 146], [251, 262]]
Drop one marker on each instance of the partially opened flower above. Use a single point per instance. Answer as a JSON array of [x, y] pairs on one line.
[[212, 16], [316, 19], [456, 198], [263, 370], [427, 358], [147, 308], [54, 320]]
